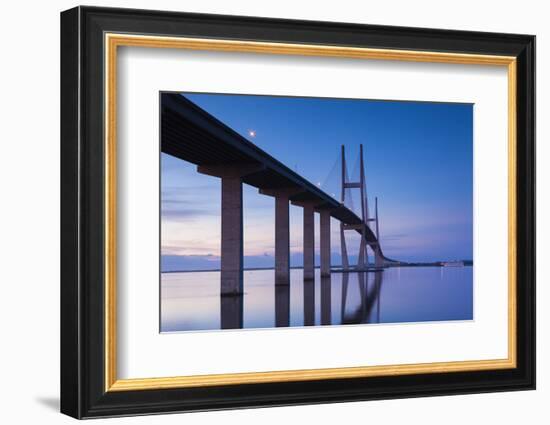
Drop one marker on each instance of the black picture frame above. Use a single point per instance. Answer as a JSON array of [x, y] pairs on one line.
[[83, 392]]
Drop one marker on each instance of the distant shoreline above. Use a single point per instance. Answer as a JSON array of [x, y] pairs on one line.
[[218, 270], [467, 263]]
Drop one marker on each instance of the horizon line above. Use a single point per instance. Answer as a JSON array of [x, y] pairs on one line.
[[468, 263]]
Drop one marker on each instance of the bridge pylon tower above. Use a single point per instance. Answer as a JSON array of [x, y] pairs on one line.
[[363, 259]]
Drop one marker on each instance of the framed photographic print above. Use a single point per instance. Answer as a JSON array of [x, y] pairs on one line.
[[261, 212]]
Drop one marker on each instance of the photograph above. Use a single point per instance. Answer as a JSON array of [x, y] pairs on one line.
[[280, 211]]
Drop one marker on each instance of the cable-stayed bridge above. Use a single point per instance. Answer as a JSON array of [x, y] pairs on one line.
[[191, 134]]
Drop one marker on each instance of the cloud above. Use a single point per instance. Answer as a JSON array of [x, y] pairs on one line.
[[175, 201], [178, 205], [191, 248], [185, 214]]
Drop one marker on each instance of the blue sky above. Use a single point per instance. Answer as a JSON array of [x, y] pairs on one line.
[[418, 162]]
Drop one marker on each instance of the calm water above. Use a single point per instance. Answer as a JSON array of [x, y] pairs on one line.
[[191, 301]]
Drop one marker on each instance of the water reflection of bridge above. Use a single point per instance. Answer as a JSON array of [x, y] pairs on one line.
[[367, 311], [370, 298]]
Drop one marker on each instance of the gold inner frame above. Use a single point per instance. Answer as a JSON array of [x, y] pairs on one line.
[[113, 41]]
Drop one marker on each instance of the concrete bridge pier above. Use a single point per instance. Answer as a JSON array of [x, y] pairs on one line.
[[282, 232], [309, 238], [309, 242], [232, 236], [282, 240], [231, 222], [324, 221]]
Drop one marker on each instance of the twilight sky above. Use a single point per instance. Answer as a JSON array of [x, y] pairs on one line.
[[418, 161]]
